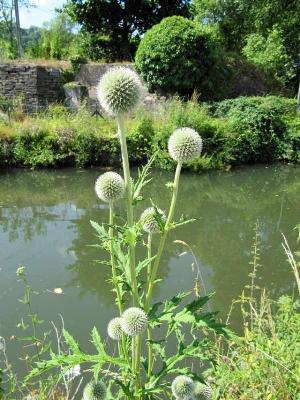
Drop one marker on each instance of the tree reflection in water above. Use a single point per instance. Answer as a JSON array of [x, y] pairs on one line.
[[226, 205]]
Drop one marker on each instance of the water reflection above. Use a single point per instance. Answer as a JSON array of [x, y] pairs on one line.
[[44, 223]]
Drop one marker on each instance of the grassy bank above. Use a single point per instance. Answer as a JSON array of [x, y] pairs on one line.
[[240, 131], [264, 363]]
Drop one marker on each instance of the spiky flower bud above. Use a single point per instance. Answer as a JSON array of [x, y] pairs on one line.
[[202, 392], [114, 329], [183, 387], [95, 391], [134, 321], [149, 219], [110, 186], [184, 145], [119, 90]]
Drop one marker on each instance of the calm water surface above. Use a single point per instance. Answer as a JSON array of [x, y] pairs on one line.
[[44, 225]]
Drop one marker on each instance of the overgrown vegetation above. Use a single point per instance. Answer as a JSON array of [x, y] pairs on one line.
[[244, 130], [264, 362]]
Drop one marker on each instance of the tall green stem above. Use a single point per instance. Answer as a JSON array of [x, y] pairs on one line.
[[163, 237], [136, 344], [128, 188], [112, 257], [149, 331]]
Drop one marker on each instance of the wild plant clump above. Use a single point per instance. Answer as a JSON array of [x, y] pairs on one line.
[[142, 366]]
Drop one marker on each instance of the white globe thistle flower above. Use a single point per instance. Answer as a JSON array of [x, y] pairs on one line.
[[149, 219], [95, 391], [134, 321], [110, 186], [114, 329], [202, 392], [185, 144], [183, 387], [119, 90]]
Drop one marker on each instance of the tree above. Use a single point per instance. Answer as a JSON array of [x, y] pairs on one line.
[[55, 39], [123, 22], [10, 32], [237, 19]]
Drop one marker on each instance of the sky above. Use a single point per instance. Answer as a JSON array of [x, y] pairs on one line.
[[44, 11]]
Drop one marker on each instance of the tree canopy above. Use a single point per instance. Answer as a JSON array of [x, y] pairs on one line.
[[123, 21]]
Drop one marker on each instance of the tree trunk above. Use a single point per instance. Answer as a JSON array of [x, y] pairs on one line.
[[18, 30]]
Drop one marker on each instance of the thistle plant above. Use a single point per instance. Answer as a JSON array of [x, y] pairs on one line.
[[141, 366]]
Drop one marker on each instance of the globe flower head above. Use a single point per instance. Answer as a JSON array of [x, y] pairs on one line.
[[119, 91], [134, 321], [185, 144], [202, 392], [110, 186], [183, 387], [95, 391], [149, 219], [114, 329]]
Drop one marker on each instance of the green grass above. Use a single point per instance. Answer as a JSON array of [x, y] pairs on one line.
[[264, 363], [239, 131]]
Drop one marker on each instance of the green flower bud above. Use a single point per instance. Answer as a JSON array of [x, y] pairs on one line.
[[183, 387], [114, 329], [134, 321], [149, 219], [202, 392], [184, 145], [110, 186], [95, 391], [119, 90]]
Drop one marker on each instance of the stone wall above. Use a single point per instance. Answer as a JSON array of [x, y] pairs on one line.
[[38, 86], [89, 76]]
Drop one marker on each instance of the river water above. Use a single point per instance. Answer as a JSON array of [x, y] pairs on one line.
[[45, 225]]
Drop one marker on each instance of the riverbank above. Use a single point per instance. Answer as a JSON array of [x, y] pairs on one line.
[[235, 132]]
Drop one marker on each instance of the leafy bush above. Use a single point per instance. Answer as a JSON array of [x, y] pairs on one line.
[[34, 146], [270, 54], [140, 140], [175, 56], [257, 129]]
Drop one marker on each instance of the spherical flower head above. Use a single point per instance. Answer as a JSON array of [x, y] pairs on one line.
[[95, 391], [185, 144], [149, 219], [114, 329], [119, 91], [134, 321], [202, 392], [110, 186], [183, 387]]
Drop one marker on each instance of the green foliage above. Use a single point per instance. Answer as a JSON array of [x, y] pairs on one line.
[[266, 360], [175, 56], [116, 27], [270, 54], [263, 24], [236, 131], [34, 146], [55, 41]]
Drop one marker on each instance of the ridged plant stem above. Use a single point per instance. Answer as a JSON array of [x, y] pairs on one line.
[[112, 257], [163, 238], [149, 331], [136, 344], [128, 189]]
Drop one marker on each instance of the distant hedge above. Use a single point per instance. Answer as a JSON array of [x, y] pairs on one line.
[[235, 132]]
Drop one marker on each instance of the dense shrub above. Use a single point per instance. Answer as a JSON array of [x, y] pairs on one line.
[[244, 130], [35, 146], [140, 140], [270, 54], [175, 56], [258, 131]]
